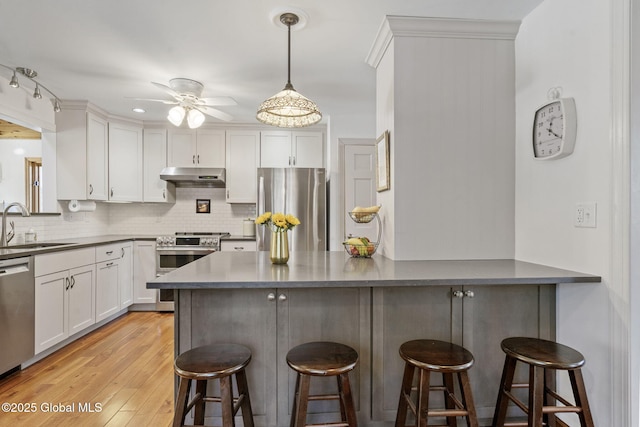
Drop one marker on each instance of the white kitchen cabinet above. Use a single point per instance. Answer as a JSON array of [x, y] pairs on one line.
[[64, 296], [243, 159], [197, 148], [281, 149], [125, 162], [238, 245], [81, 153], [109, 259], [154, 153], [125, 275], [144, 270]]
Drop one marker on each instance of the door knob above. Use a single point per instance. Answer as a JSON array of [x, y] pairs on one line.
[[458, 294]]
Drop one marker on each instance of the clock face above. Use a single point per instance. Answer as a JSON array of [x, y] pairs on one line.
[[548, 130]]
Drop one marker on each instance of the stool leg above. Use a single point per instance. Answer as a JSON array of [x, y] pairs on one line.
[[343, 413], [294, 409], [245, 406], [347, 400], [226, 399], [467, 399], [423, 398], [405, 393], [181, 402], [549, 400], [580, 395], [447, 379], [505, 385], [536, 395], [198, 410], [302, 399]]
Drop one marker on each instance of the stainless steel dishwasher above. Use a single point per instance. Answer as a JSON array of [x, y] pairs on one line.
[[17, 312]]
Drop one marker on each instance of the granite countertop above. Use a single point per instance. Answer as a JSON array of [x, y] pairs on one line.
[[338, 269], [66, 244]]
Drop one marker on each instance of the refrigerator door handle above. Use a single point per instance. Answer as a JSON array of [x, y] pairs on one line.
[[261, 202]]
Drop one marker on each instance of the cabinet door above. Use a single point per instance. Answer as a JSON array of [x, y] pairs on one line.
[[182, 148], [50, 309], [242, 316], [125, 275], [211, 148], [243, 156], [154, 152], [107, 300], [81, 307], [144, 270], [492, 314], [125, 163], [308, 150], [275, 149], [323, 315], [238, 245], [402, 314], [97, 157]]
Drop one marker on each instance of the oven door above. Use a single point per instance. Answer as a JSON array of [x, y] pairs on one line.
[[168, 259]]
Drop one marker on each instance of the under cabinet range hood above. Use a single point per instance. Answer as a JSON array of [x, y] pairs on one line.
[[194, 177]]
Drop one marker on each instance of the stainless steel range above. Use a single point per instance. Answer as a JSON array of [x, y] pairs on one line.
[[176, 251]]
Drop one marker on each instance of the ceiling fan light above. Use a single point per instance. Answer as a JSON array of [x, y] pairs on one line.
[[289, 109], [176, 115], [14, 81], [194, 118]]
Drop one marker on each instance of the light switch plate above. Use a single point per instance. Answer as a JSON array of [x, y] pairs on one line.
[[586, 215]]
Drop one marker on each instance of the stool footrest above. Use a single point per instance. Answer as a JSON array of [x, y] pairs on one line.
[[447, 413], [338, 424], [324, 397]]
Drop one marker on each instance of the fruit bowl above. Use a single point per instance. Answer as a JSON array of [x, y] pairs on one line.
[[362, 217], [361, 251]]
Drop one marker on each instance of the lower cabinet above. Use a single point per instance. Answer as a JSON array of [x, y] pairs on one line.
[[270, 322], [64, 299], [476, 317], [107, 299], [238, 245], [125, 275], [114, 282], [144, 270]]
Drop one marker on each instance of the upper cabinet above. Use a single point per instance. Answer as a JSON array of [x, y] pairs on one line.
[[125, 162], [281, 149], [154, 153], [81, 153], [197, 148], [243, 157]]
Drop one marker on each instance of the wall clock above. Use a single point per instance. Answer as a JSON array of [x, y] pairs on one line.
[[554, 129]]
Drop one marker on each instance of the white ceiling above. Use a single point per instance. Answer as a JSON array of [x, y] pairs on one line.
[[108, 51]]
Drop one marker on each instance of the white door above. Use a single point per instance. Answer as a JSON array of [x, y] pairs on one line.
[[182, 148], [211, 148], [125, 276], [125, 163], [308, 150], [107, 295], [155, 159], [359, 187], [81, 297], [50, 309], [275, 149]]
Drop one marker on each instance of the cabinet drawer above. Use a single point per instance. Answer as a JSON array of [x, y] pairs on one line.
[[238, 245], [63, 260], [109, 252]]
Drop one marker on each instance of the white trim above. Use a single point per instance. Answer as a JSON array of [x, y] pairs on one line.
[[621, 402]]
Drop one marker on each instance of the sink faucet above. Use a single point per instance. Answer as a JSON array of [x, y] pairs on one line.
[[25, 212]]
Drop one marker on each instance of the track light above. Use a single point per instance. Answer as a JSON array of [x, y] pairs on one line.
[[31, 75], [14, 81]]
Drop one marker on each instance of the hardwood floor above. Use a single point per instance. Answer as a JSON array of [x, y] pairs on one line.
[[122, 371]]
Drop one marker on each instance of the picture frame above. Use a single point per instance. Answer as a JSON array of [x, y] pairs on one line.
[[203, 205], [382, 162]]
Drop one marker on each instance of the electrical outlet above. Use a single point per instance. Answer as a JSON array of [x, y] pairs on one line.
[[585, 215]]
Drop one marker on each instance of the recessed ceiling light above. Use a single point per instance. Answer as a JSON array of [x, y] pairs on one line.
[[139, 110]]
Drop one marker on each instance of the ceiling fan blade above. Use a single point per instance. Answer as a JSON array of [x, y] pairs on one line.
[[164, 101], [214, 112], [167, 89], [218, 101]]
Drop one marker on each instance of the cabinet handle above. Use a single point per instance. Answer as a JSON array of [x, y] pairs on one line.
[[458, 294], [282, 297], [194, 159], [122, 256], [73, 281], [109, 252], [66, 288], [271, 296], [294, 160], [112, 192], [289, 160], [469, 294], [109, 264], [239, 248], [164, 194], [90, 189], [227, 194], [198, 158]]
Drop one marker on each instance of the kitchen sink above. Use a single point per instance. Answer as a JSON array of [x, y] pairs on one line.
[[34, 245]]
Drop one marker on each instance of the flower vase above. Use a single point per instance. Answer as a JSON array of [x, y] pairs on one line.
[[279, 247]]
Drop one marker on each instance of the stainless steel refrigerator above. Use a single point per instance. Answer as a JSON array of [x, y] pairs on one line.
[[300, 192]]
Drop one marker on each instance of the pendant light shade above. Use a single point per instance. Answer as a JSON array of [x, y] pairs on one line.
[[288, 108], [176, 115], [195, 119]]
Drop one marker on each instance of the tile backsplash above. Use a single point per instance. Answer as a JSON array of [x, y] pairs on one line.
[[141, 218]]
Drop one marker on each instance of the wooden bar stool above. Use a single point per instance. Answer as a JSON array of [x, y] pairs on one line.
[[323, 359], [544, 358], [442, 357], [213, 362]]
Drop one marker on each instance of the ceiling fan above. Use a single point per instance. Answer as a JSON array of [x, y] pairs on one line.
[[188, 102]]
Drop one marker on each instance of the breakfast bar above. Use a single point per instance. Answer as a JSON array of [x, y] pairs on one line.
[[371, 304]]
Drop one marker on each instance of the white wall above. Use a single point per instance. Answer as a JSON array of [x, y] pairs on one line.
[[567, 43]]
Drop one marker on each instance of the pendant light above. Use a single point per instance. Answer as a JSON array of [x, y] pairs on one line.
[[288, 108]]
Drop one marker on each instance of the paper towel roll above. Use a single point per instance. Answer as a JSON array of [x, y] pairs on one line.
[[82, 206]]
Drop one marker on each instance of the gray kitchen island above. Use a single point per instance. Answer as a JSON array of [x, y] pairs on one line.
[[372, 304]]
